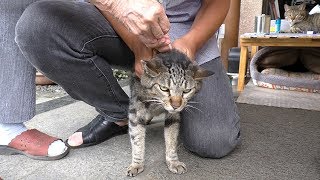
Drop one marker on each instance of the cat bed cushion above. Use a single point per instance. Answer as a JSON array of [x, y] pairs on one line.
[[266, 69]]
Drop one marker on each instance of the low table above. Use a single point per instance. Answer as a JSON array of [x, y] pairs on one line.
[[254, 40]]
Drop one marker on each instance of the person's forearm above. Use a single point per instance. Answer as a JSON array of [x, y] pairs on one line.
[[133, 42], [208, 20], [108, 6]]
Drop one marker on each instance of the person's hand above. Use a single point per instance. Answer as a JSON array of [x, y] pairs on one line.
[[144, 18], [141, 52], [184, 45]]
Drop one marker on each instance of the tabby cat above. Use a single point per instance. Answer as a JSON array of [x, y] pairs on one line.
[[300, 20], [170, 79]]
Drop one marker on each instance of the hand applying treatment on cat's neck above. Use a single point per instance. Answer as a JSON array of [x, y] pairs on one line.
[[182, 46]]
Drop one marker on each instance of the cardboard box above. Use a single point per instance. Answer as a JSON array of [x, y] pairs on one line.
[[285, 26]]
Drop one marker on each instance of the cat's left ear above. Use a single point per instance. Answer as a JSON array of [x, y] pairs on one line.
[[151, 67], [286, 7], [201, 73]]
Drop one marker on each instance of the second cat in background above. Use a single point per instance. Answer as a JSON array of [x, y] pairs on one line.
[[300, 20]]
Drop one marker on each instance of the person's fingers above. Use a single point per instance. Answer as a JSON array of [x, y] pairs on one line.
[[138, 68], [148, 22], [164, 23], [142, 30], [164, 41], [156, 45], [156, 30], [138, 73], [165, 48], [147, 25], [150, 43]]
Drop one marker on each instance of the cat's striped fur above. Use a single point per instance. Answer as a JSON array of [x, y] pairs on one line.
[[170, 79]]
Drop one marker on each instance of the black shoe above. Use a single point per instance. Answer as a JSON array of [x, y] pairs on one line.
[[98, 131]]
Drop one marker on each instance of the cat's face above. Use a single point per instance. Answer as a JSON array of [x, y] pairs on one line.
[[173, 79], [295, 14]]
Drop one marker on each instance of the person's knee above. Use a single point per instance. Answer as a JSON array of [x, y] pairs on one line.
[[214, 145], [33, 29], [31, 24]]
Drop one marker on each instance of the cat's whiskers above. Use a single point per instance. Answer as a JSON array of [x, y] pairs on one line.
[[155, 101], [152, 100], [194, 102], [188, 110], [188, 105]]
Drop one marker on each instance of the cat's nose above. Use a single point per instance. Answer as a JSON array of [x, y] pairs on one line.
[[176, 101]]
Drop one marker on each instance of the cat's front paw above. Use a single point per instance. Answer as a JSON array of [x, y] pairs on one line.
[[177, 167], [294, 29], [134, 169]]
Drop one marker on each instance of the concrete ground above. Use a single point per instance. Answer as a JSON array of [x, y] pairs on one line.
[[277, 143]]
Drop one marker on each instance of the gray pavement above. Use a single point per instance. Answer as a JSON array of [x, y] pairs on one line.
[[277, 143]]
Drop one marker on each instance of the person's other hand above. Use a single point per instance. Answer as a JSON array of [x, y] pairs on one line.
[[144, 18], [183, 44]]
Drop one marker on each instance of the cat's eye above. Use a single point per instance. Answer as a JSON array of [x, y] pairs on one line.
[[187, 91], [163, 88]]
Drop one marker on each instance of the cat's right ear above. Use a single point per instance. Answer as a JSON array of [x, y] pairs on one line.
[[302, 6], [151, 68]]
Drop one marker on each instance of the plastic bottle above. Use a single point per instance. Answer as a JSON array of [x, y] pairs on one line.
[[278, 25]]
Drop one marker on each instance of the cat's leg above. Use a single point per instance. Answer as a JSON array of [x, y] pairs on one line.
[[171, 132], [297, 28], [137, 134]]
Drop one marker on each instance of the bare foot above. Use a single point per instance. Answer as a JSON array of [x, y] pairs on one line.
[[121, 123], [76, 138]]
